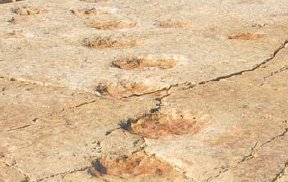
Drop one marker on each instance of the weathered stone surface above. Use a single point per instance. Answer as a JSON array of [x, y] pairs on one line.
[[47, 131], [106, 90], [244, 135], [224, 37], [10, 174]]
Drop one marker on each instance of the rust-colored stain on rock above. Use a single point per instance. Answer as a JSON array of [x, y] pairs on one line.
[[110, 42], [173, 24], [120, 89], [136, 165], [246, 36], [158, 125], [141, 63], [111, 24]]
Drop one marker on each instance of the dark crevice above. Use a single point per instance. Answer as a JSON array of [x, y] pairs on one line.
[[277, 72], [275, 137], [285, 68], [19, 128], [63, 174], [187, 85], [249, 156], [167, 89], [84, 103], [27, 178], [126, 125], [281, 173], [243, 71], [97, 165]]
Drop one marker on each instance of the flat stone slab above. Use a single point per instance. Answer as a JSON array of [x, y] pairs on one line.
[[236, 128], [54, 43], [47, 131], [106, 90]]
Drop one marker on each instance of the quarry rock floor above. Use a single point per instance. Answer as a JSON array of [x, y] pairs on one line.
[[144, 90]]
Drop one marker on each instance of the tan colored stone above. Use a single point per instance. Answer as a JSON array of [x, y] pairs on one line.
[[106, 90], [52, 42], [45, 133], [10, 174], [246, 135]]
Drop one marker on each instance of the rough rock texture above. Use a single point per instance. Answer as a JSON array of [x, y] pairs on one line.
[[241, 126], [106, 90]]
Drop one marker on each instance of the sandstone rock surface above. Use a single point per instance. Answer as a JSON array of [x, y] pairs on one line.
[[144, 90]]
